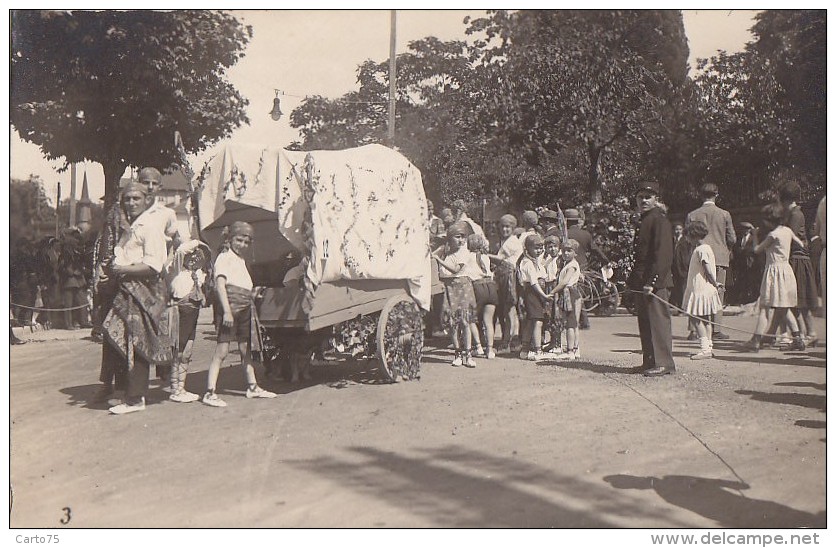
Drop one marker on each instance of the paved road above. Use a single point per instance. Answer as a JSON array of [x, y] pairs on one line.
[[737, 441]]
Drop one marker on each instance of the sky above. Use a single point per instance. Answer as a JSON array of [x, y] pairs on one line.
[[317, 52]]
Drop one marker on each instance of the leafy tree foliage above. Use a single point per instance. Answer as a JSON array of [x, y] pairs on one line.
[[739, 124], [759, 115], [113, 86], [587, 80], [793, 43], [28, 208]]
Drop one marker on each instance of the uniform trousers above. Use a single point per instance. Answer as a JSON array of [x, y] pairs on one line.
[[655, 329]]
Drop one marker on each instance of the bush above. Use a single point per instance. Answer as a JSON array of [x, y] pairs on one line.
[[613, 225]]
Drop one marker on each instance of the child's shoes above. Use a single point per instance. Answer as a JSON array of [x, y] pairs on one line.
[[183, 397], [259, 392], [212, 399]]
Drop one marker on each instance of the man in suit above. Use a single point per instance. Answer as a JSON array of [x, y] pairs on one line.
[[651, 278], [746, 274], [721, 238], [681, 259]]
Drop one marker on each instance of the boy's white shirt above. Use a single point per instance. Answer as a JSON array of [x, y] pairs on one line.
[[552, 268], [232, 267], [531, 269], [570, 273]]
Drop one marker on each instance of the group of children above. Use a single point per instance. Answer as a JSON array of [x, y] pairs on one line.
[[778, 290], [547, 275], [232, 286], [549, 300]]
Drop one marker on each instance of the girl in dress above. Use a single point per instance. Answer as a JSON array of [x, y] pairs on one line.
[[800, 262], [459, 308], [701, 298], [778, 288]]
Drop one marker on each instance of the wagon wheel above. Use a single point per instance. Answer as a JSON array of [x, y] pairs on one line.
[[400, 338], [589, 294]]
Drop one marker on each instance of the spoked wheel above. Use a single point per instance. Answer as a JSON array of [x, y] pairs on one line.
[[589, 294], [400, 338]]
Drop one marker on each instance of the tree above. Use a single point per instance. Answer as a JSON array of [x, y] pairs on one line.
[[793, 44], [588, 80], [431, 111], [739, 123], [113, 86], [28, 209]]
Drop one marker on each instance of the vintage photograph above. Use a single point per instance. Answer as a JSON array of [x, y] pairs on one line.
[[419, 269]]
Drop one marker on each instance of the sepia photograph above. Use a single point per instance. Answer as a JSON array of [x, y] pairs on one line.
[[552, 270]]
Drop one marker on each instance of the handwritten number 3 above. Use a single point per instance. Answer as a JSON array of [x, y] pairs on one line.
[[67, 515]]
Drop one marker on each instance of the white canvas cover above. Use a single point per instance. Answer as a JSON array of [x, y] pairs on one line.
[[354, 214]]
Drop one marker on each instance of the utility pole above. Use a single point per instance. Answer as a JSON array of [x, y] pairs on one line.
[[57, 204], [72, 193], [392, 77]]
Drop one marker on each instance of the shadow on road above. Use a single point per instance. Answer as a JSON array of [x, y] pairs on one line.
[[592, 367], [811, 424], [811, 401], [720, 500], [816, 385], [791, 359], [457, 487]]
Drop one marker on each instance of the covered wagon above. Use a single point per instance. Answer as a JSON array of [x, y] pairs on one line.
[[341, 247]]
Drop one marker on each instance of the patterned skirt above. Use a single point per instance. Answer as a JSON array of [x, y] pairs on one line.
[[506, 285], [459, 302]]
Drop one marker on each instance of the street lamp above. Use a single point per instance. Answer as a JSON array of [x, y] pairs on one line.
[[276, 113]]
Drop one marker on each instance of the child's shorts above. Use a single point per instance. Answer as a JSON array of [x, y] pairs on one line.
[[486, 292], [535, 308], [240, 330], [187, 326]]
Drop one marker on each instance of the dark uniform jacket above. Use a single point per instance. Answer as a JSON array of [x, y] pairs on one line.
[[653, 252]]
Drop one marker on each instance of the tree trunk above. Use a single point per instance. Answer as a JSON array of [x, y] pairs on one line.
[[594, 183], [113, 171]]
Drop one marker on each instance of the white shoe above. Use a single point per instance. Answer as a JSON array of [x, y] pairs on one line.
[[702, 355], [213, 400], [124, 408], [532, 356], [457, 361], [259, 392], [491, 354], [479, 352], [184, 397]]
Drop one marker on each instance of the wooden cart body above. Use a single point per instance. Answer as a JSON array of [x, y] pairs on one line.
[[333, 303]]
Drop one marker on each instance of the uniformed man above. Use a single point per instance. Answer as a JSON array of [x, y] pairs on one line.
[[651, 279]]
